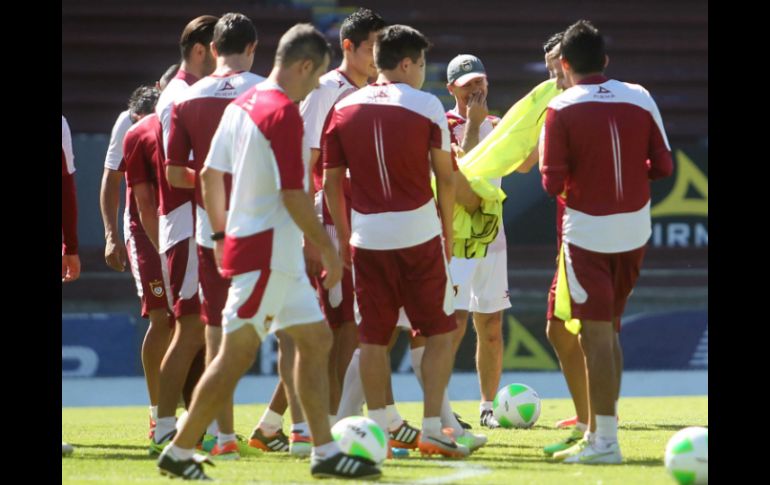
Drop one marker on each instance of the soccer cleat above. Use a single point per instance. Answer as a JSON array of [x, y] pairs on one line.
[[191, 469], [228, 451], [152, 428], [344, 466], [398, 453], [207, 443], [488, 419], [277, 441], [591, 454], [561, 455], [575, 436], [464, 424], [156, 447], [299, 444], [567, 423], [471, 440], [444, 446], [66, 449], [405, 436]]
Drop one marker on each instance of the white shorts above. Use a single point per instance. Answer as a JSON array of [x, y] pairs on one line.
[[271, 301], [482, 284]]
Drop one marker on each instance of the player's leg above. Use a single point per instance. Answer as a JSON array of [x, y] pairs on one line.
[[268, 435]]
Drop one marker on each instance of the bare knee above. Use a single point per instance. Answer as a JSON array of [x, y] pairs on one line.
[[559, 336], [489, 327], [313, 340]]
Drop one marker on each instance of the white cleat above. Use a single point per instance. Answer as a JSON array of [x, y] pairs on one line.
[[590, 454]]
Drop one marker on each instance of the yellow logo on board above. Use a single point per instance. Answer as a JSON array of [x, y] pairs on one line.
[[519, 337], [676, 202]]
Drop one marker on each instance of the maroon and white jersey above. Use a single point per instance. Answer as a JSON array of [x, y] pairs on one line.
[[315, 108], [142, 154], [457, 125], [383, 134], [603, 141], [259, 142], [175, 223], [194, 119]]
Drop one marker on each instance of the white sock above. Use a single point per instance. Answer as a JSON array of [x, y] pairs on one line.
[[352, 400], [180, 454], [448, 418], [582, 427], [431, 427], [485, 405], [606, 430], [213, 428], [300, 428], [154, 413], [326, 451], [224, 438], [394, 419], [589, 435], [164, 426], [379, 416], [271, 422]]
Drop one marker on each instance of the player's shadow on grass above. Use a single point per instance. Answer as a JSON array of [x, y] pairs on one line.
[[112, 447], [114, 456], [655, 427], [508, 445]]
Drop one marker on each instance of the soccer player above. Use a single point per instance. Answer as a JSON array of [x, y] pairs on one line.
[[70, 261], [147, 266], [175, 237], [390, 136], [194, 119], [603, 142], [259, 245]]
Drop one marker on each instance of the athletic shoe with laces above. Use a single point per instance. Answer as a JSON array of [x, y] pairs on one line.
[[575, 436], [300, 444], [593, 454], [344, 466], [445, 446], [405, 436], [156, 447], [464, 424], [487, 419], [277, 441], [471, 440], [191, 469], [228, 451]]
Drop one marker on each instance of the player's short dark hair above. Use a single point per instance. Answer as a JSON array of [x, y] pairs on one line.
[[200, 30], [552, 42], [357, 26], [302, 42], [396, 42], [232, 33], [168, 75], [143, 99], [583, 47]]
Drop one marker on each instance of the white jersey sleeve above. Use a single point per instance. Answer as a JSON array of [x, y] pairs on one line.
[[115, 149], [314, 110]]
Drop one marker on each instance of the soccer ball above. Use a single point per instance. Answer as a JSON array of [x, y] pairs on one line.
[[360, 436], [516, 406], [687, 456]]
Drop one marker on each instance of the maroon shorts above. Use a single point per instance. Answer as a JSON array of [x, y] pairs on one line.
[[214, 288], [147, 268], [182, 261], [416, 278], [604, 283]]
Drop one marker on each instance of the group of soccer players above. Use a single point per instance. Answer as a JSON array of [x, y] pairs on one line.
[[302, 204]]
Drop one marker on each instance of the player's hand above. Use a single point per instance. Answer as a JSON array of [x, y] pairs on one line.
[[70, 267], [115, 254], [346, 254], [219, 250], [313, 263], [332, 267], [458, 150], [447, 249], [477, 108]]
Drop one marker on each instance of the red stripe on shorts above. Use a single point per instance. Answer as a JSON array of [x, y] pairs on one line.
[[252, 304]]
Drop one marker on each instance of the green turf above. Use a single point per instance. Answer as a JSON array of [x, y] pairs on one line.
[[110, 447]]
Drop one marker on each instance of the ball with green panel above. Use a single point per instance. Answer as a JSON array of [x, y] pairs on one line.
[[687, 456], [360, 436], [516, 406]]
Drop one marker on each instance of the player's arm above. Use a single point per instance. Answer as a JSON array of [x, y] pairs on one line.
[[441, 162], [531, 161], [334, 193], [214, 198], [109, 203], [147, 206], [309, 250], [660, 163], [70, 262], [178, 172], [477, 113], [554, 168]]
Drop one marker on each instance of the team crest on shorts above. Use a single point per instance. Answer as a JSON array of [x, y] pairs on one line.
[[156, 287]]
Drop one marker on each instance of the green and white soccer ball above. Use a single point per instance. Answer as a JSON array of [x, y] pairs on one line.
[[516, 406], [360, 436], [687, 456]]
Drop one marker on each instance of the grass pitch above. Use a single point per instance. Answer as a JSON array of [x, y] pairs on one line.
[[111, 447]]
